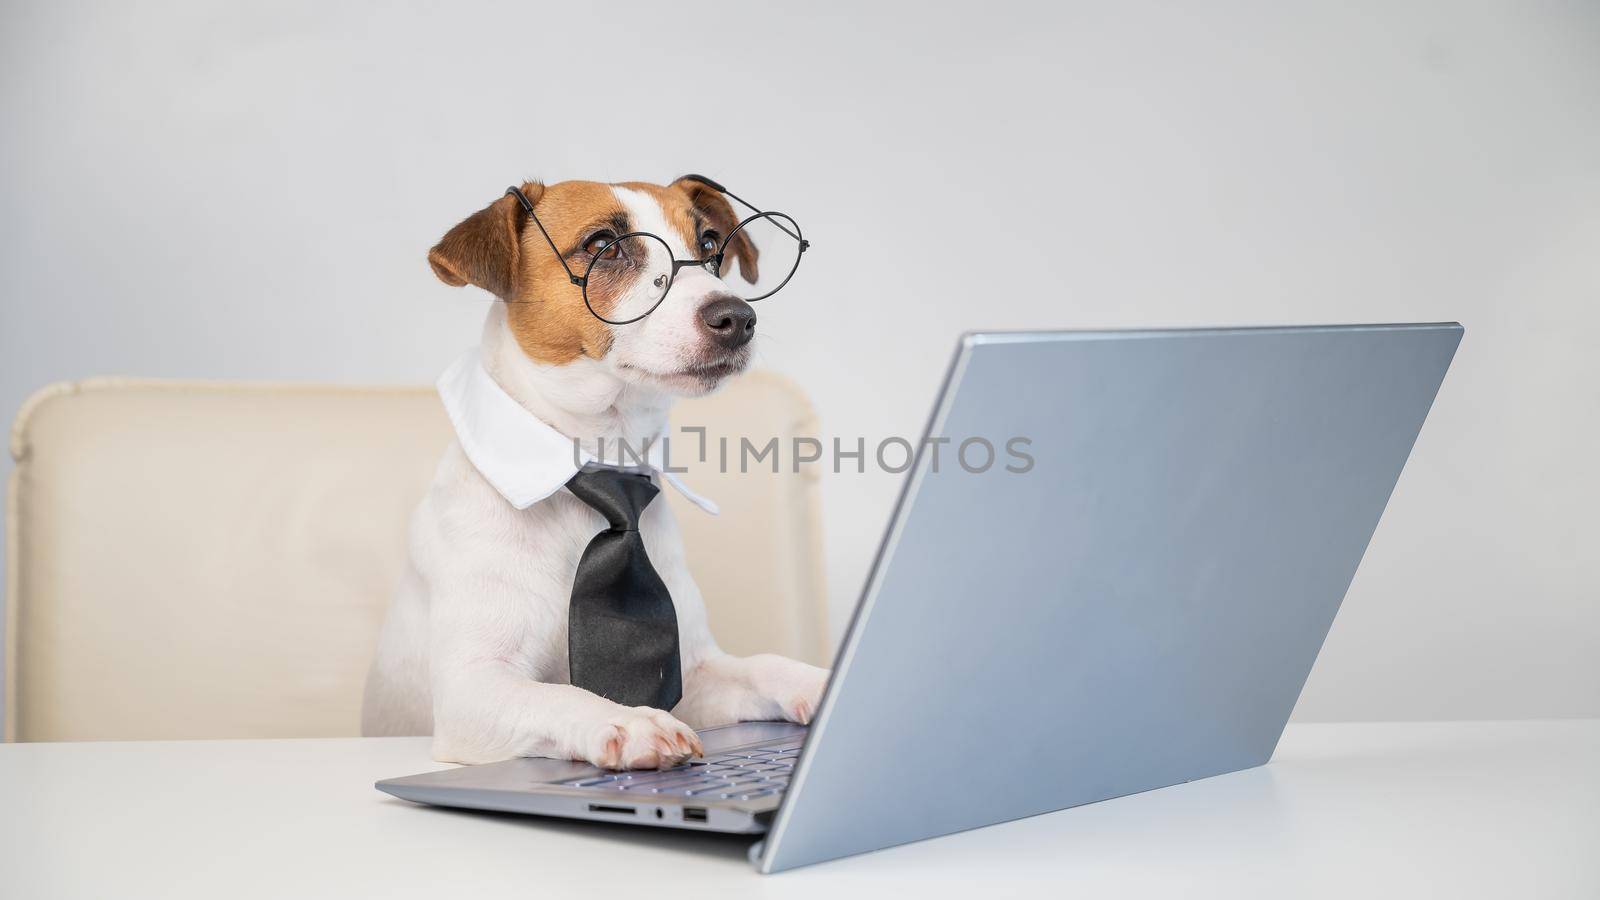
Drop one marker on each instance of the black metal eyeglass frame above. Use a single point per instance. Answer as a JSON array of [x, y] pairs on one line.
[[713, 261]]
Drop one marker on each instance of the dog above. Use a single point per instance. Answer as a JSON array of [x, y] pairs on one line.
[[473, 648]]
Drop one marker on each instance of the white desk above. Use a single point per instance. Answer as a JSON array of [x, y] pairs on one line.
[[1490, 809]]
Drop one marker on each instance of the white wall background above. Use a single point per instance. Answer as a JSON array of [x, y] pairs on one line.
[[248, 190]]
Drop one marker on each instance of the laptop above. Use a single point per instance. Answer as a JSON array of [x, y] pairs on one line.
[[1129, 596]]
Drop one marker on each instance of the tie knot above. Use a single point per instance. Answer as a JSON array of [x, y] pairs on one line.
[[619, 496]]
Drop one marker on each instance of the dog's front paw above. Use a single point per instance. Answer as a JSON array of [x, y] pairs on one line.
[[640, 737], [798, 691]]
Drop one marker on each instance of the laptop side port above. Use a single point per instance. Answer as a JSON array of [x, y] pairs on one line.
[[694, 814], [613, 810]]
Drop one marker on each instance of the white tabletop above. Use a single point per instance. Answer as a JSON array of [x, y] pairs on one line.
[[1491, 809]]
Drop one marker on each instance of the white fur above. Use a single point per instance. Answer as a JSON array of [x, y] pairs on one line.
[[474, 648], [669, 339]]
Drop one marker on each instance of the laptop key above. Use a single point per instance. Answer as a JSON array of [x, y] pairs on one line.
[[692, 782], [668, 775], [662, 783], [649, 780], [658, 788]]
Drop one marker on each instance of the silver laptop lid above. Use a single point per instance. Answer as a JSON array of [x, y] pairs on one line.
[[1140, 607]]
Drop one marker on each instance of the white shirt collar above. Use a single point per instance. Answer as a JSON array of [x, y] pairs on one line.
[[522, 457]]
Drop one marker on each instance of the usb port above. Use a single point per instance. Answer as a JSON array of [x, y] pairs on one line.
[[694, 814], [614, 810]]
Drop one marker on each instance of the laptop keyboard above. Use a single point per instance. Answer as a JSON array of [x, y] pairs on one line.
[[739, 775]]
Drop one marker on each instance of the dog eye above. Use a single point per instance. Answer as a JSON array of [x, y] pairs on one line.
[[598, 242], [709, 242]]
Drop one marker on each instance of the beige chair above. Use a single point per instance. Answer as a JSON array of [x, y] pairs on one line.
[[213, 560]]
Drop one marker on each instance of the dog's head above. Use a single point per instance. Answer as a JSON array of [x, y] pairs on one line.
[[699, 334]]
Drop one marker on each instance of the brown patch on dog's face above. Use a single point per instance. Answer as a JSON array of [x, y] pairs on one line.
[[500, 250], [717, 212], [547, 314]]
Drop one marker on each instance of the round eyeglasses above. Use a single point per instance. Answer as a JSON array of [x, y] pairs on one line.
[[626, 277]]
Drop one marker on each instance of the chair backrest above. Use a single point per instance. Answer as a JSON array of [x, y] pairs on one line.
[[213, 560]]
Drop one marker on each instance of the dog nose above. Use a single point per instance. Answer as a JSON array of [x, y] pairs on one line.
[[728, 321]]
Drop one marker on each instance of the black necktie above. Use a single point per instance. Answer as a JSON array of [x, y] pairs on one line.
[[622, 632]]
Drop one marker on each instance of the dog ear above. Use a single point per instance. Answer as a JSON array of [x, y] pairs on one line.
[[484, 249], [710, 202]]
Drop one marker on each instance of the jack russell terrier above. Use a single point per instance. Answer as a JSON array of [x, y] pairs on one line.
[[547, 609]]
